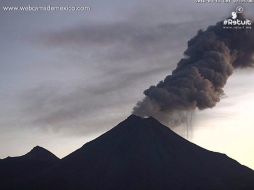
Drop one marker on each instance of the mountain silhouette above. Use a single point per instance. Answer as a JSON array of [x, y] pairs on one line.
[[142, 154], [39, 154], [16, 170]]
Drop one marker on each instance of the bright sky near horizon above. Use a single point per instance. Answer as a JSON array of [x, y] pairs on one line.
[[68, 76]]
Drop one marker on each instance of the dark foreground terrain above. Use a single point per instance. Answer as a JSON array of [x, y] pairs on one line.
[[137, 154]]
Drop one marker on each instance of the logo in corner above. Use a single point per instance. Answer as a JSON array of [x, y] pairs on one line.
[[234, 15], [236, 22], [239, 9]]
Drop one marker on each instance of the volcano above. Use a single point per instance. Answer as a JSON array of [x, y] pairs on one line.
[[142, 154]]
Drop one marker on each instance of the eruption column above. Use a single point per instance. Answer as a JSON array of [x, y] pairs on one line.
[[199, 78]]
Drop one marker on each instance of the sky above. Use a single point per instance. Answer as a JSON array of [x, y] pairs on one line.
[[67, 77]]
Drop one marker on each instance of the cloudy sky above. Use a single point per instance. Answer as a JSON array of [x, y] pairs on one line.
[[68, 76]]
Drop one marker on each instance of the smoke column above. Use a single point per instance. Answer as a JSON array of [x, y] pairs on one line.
[[199, 78]]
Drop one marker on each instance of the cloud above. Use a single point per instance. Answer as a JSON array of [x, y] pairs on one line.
[[124, 58], [92, 72], [122, 41]]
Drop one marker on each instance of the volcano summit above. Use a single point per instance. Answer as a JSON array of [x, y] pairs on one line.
[[140, 153]]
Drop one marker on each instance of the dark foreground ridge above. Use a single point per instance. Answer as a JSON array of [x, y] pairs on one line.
[[139, 154], [16, 170]]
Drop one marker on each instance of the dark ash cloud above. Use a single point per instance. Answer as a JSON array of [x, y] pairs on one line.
[[199, 78]]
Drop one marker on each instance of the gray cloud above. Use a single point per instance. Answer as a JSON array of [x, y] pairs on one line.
[[124, 57], [125, 40]]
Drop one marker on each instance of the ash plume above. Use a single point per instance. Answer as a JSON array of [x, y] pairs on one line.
[[199, 78]]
